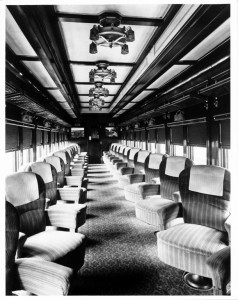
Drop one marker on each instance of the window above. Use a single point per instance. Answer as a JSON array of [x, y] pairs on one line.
[[178, 150], [27, 156], [10, 162], [152, 147], [160, 148], [198, 155], [143, 145], [224, 158]]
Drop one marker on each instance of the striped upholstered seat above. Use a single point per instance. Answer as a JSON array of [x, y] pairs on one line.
[[132, 192], [157, 205], [61, 215], [205, 195], [26, 191], [136, 165]]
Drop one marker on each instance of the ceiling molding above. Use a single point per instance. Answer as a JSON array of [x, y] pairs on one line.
[[206, 19]]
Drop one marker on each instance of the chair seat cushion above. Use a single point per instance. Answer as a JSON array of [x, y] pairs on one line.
[[156, 211], [53, 245], [123, 180], [132, 192], [188, 246], [67, 215]]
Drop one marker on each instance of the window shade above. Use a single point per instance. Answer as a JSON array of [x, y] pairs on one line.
[[137, 135], [161, 135], [143, 135], [197, 134], [39, 137], [152, 135], [176, 135], [225, 134], [27, 138], [12, 138], [52, 137], [46, 139]]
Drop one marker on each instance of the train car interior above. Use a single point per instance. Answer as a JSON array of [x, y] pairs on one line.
[[118, 150]]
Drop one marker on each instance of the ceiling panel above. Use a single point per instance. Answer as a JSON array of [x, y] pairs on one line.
[[167, 76], [15, 38], [76, 36], [214, 39], [81, 72], [86, 105], [84, 89], [57, 95], [141, 10], [87, 111], [128, 106], [141, 96], [39, 71]]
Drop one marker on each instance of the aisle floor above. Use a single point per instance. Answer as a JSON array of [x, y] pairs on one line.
[[121, 253]]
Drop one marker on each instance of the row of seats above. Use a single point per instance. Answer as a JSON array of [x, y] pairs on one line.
[[189, 205], [43, 196]]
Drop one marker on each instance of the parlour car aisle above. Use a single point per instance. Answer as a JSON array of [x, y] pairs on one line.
[[121, 256]]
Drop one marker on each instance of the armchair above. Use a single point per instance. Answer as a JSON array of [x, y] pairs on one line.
[[28, 274], [43, 250], [195, 245], [129, 169], [70, 216], [157, 206], [132, 192]]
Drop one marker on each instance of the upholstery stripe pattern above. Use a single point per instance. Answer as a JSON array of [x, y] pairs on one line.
[[157, 211], [51, 245], [188, 246], [43, 278], [67, 216], [132, 192], [205, 209]]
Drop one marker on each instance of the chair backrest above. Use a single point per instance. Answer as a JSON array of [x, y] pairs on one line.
[[132, 156], [152, 169], [58, 163], [11, 236], [170, 169], [205, 195], [26, 191], [49, 175], [141, 161], [66, 158], [125, 153]]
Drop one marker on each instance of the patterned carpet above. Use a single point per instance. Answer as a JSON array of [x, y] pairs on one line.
[[121, 256]]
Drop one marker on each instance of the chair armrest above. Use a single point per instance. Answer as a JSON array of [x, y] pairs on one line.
[[228, 227], [149, 189], [74, 180], [114, 161], [170, 211], [176, 197], [156, 180], [126, 170], [42, 277], [47, 203], [219, 265], [21, 241], [113, 157], [121, 165], [72, 194], [69, 216], [136, 178]]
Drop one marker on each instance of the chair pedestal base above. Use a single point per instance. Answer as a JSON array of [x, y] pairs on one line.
[[197, 282]]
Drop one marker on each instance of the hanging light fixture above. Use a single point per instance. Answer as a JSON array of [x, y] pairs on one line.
[[98, 90], [109, 34], [96, 103], [102, 73]]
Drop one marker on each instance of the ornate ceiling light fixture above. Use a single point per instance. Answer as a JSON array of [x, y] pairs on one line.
[[102, 73], [98, 90], [108, 34], [96, 103]]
